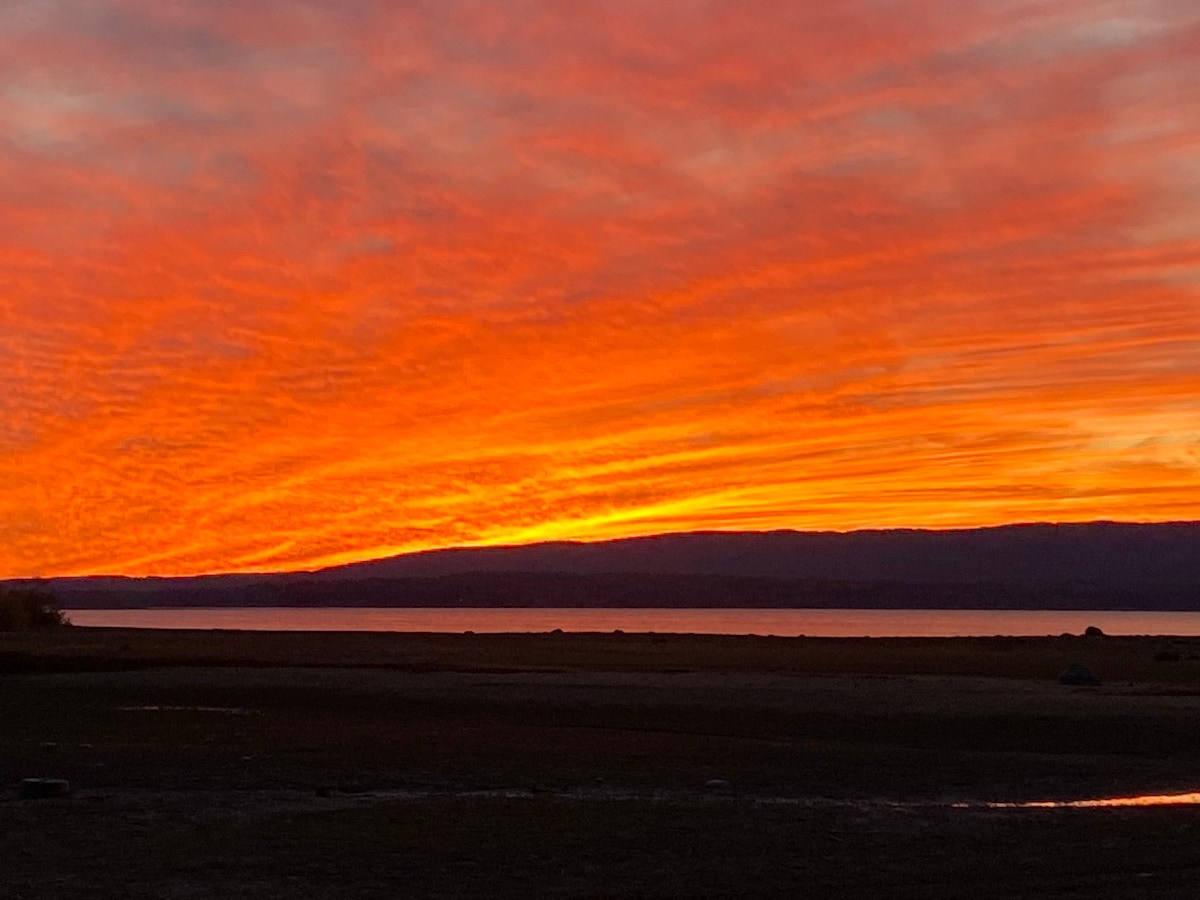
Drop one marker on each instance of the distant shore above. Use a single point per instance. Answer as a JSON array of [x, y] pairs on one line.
[[875, 623]]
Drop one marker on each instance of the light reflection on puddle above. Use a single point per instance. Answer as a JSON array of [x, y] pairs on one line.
[[1186, 799]]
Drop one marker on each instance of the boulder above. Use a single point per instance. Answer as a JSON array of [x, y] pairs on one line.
[[1093, 631], [1078, 674]]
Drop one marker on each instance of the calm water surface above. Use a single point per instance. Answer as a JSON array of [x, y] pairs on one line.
[[782, 622]]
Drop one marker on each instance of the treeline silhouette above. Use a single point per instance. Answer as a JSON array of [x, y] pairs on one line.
[[22, 608]]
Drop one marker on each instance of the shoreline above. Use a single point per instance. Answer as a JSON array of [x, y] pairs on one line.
[[1129, 658]]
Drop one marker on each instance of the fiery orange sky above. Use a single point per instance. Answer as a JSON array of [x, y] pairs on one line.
[[291, 283]]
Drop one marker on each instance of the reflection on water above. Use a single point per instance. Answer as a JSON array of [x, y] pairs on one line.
[[782, 622], [157, 707], [1187, 799]]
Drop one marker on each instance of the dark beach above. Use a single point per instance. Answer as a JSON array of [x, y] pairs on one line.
[[263, 765]]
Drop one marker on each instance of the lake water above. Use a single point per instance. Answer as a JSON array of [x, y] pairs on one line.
[[781, 622]]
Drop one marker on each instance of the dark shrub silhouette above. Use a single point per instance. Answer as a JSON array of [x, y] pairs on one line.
[[22, 608]]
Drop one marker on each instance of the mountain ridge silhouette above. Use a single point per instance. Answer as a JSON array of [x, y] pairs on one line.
[[1108, 564]]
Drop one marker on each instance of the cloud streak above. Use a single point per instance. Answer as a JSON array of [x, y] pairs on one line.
[[287, 284]]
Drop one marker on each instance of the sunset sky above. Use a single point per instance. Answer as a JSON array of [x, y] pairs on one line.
[[287, 284]]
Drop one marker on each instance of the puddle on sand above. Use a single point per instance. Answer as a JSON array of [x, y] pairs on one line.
[[154, 707], [709, 796], [1186, 799]]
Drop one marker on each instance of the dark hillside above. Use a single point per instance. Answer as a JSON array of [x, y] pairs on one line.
[[1095, 565]]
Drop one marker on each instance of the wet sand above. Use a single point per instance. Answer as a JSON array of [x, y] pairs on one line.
[[340, 765]]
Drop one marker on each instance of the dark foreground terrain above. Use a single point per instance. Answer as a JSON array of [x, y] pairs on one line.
[[237, 765]]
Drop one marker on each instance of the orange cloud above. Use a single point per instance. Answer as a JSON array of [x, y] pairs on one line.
[[288, 284]]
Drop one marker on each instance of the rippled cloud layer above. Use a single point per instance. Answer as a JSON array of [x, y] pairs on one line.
[[285, 284]]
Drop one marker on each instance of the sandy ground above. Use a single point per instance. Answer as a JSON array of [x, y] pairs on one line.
[[592, 765]]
